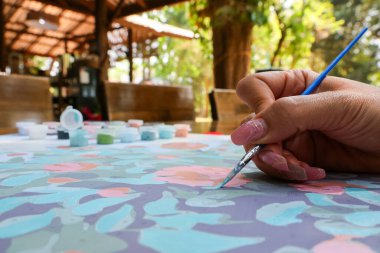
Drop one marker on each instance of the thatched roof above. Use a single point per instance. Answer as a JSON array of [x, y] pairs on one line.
[[76, 24]]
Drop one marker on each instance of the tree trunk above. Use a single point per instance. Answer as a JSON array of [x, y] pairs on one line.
[[101, 28], [231, 48], [2, 38]]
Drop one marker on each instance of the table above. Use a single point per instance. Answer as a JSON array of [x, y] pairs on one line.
[[157, 196], [224, 127]]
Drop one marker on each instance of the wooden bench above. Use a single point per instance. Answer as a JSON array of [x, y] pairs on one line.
[[227, 106], [149, 102], [23, 98]]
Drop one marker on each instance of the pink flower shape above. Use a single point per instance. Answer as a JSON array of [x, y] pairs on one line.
[[70, 167], [324, 187], [341, 244], [62, 180], [198, 176], [114, 192], [166, 157], [184, 145]]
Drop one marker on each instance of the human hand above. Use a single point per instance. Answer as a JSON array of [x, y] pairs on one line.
[[336, 128]]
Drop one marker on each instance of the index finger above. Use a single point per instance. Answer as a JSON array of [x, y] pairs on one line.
[[260, 90]]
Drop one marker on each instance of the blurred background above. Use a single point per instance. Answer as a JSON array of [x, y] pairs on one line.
[[204, 44]]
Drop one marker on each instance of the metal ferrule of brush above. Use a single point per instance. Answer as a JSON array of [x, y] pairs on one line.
[[247, 158]]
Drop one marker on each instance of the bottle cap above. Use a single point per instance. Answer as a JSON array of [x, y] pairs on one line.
[[71, 119]]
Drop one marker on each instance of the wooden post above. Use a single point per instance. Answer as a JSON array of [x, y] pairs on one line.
[[130, 55], [101, 28], [2, 38], [65, 43]]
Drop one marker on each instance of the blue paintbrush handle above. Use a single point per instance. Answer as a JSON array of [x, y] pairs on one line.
[[322, 76]]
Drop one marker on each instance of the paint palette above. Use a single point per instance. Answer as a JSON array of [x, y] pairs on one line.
[[157, 197]]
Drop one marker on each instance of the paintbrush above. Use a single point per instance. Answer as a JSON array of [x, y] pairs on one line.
[[256, 149]]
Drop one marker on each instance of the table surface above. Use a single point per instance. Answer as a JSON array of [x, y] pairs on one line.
[[224, 127], [158, 196]]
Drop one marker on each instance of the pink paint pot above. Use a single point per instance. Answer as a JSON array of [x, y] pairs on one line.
[[135, 123], [182, 130], [52, 127]]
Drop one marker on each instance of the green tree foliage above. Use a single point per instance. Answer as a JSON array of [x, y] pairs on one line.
[[286, 40], [183, 62], [363, 62], [286, 34]]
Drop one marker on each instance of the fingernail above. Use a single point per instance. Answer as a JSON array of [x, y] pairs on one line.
[[313, 173], [249, 132], [296, 172], [275, 160]]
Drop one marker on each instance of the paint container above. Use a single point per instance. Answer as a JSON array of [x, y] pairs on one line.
[[71, 119], [37, 132], [117, 123], [22, 127], [92, 130], [182, 130], [166, 131], [135, 123], [117, 130], [78, 138], [148, 133], [62, 133], [129, 134], [105, 136], [94, 123], [52, 127]]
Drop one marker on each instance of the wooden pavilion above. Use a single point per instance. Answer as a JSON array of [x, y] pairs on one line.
[[53, 28]]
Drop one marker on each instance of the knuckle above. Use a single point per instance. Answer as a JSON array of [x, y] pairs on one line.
[[286, 107], [245, 84]]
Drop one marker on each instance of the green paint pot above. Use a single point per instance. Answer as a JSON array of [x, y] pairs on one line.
[[105, 137]]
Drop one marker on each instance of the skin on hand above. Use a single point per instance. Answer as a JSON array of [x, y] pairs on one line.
[[336, 128]]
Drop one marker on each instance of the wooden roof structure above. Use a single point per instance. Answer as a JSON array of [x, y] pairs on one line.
[[76, 24]]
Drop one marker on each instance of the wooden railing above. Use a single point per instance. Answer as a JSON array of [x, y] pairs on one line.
[[149, 102], [226, 106], [23, 98]]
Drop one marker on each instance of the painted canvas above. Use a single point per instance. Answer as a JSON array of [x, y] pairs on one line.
[[157, 196]]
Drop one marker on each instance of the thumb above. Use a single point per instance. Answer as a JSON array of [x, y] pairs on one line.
[[287, 116]]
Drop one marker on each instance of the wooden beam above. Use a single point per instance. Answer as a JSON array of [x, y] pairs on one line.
[[12, 10], [2, 37], [66, 37], [18, 6], [29, 53], [116, 12], [77, 6], [25, 31], [43, 33], [19, 33], [130, 54], [101, 28], [149, 5]]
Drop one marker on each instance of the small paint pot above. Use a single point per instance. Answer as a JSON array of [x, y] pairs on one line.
[[148, 133], [129, 134], [135, 123], [71, 119], [92, 129], [62, 133], [117, 123], [78, 138], [22, 127], [166, 131], [37, 132], [117, 130], [182, 130], [94, 123], [105, 136], [52, 127]]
